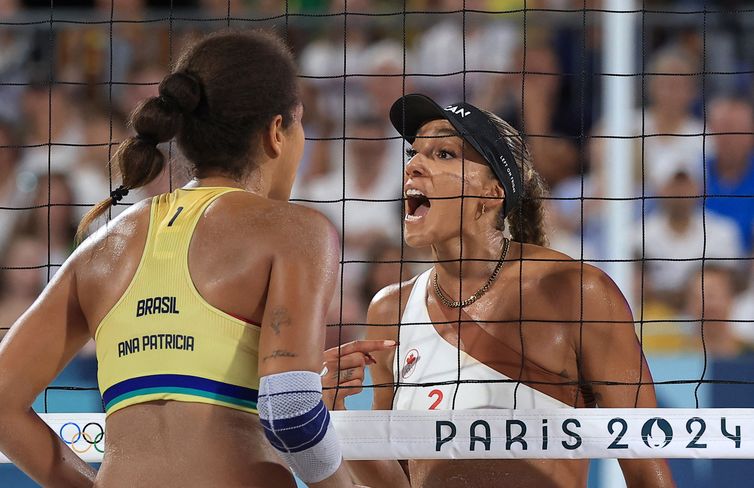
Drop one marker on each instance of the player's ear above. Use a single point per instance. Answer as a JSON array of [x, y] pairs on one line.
[[273, 137], [494, 194]]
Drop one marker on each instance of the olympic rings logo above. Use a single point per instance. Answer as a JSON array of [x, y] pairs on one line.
[[82, 439]]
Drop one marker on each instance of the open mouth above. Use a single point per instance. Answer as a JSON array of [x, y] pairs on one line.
[[417, 205]]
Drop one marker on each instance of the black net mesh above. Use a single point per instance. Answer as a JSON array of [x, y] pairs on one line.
[[70, 73]]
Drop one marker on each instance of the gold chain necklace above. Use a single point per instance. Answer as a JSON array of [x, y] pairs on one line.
[[465, 303]]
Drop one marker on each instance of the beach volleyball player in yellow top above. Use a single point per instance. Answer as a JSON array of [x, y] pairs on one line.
[[207, 304]]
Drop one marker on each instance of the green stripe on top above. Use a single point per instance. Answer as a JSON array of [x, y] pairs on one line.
[[193, 385], [183, 391]]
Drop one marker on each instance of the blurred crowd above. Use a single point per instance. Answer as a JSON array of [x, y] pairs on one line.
[[694, 135]]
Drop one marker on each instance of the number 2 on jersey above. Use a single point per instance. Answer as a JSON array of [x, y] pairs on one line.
[[438, 400]]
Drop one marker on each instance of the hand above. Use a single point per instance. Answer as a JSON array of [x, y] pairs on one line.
[[349, 379]]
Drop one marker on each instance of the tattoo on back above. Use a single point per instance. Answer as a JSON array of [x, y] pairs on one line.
[[280, 353]]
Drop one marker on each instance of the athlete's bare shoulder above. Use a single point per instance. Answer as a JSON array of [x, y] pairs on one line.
[[569, 286], [383, 317], [113, 239], [306, 233], [283, 226], [390, 302], [563, 283]]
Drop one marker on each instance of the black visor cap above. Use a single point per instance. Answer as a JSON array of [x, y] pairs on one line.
[[410, 112]]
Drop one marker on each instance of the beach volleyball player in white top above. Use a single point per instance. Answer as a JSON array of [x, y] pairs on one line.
[[523, 311]]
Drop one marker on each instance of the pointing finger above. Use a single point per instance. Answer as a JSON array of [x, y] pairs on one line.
[[363, 346]]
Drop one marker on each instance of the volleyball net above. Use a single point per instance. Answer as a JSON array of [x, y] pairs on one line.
[[637, 117], [501, 433]]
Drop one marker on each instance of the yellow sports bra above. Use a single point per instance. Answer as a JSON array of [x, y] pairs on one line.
[[162, 340]]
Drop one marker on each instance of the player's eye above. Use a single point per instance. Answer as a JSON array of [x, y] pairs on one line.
[[445, 154], [410, 152]]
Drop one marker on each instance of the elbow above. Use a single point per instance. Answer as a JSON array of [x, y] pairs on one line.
[[8, 417], [10, 405], [6, 405], [7, 412]]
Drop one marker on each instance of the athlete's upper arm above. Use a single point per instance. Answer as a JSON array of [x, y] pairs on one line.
[[382, 318], [301, 285], [42, 341], [610, 350], [611, 353]]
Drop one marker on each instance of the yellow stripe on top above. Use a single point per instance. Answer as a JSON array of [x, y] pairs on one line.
[[162, 340]]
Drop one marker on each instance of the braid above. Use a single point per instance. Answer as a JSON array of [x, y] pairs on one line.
[[155, 120], [527, 222], [224, 90]]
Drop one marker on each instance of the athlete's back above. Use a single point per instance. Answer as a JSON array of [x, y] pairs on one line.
[[229, 261], [207, 304]]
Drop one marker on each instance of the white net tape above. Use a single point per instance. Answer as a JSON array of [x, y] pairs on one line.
[[503, 434]]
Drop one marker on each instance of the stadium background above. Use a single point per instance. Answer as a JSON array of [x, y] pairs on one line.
[[538, 65]]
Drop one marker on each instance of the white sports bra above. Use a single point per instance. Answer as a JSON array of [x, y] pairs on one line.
[[426, 358]]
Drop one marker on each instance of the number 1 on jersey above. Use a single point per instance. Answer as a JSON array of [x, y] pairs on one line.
[[177, 213]]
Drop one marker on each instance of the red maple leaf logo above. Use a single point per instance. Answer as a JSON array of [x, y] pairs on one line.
[[410, 359]]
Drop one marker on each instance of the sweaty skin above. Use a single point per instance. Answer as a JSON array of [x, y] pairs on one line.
[[547, 318], [553, 339], [252, 255], [176, 444]]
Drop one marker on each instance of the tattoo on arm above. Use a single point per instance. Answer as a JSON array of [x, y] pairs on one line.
[[280, 319], [280, 353]]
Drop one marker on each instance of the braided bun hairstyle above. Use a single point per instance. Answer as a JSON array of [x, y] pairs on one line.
[[224, 90]]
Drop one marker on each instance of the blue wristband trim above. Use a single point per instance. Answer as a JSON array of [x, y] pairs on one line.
[[298, 433]]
